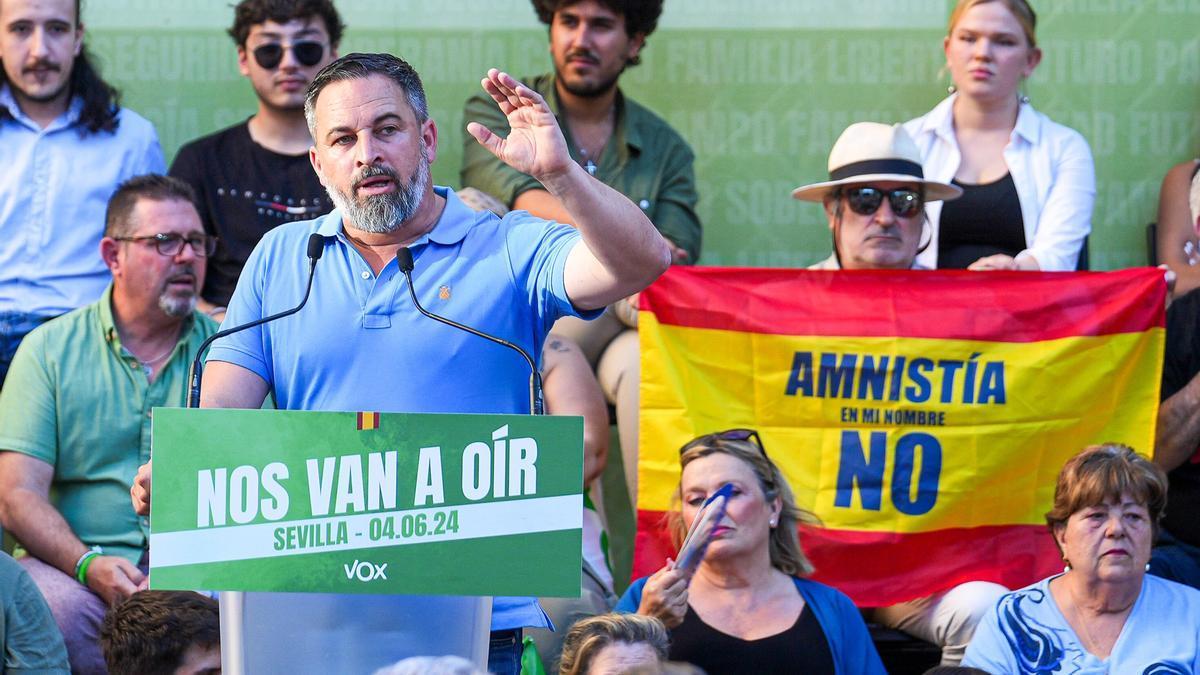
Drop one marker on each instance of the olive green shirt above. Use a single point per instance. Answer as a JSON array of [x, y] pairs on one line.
[[645, 159], [79, 401]]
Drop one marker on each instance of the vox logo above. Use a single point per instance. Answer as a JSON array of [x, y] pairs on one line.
[[365, 571]]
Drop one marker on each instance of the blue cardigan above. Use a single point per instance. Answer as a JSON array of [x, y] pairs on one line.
[[849, 642]]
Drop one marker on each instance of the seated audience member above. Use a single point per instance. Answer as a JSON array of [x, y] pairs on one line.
[[610, 644], [748, 608], [1028, 183], [569, 389], [163, 633], [75, 418], [66, 144], [873, 202], [1178, 223], [256, 174], [431, 665], [620, 142], [1176, 554], [1103, 614], [29, 638]]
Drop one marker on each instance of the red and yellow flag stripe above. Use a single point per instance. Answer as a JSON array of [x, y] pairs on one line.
[[922, 416]]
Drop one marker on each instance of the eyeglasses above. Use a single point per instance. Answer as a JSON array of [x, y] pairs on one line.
[[865, 201], [171, 244], [727, 435], [307, 52]]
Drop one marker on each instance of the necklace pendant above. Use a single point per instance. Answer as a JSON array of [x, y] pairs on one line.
[[591, 167]]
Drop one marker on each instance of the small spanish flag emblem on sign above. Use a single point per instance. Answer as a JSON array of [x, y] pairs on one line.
[[368, 421]]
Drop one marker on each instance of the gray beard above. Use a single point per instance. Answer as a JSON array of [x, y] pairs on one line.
[[176, 307], [383, 214]]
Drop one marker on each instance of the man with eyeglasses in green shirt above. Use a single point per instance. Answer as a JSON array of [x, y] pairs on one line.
[[75, 410]]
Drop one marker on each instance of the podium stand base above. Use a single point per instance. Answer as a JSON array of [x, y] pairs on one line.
[[309, 632]]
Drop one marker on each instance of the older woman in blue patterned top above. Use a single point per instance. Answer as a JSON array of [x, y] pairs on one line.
[[1103, 614]]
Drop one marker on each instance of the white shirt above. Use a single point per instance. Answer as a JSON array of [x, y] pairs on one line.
[[54, 189], [1051, 166]]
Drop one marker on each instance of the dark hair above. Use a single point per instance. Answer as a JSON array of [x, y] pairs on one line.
[[588, 636], [361, 66], [149, 186], [149, 633], [101, 100], [641, 16], [250, 13]]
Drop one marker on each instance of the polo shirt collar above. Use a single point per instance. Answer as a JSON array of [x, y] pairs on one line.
[[108, 325], [452, 227], [9, 108]]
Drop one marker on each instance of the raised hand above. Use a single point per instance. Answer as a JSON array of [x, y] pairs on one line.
[[664, 596], [535, 144]]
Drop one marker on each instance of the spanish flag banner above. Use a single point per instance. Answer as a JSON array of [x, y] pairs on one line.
[[921, 416]]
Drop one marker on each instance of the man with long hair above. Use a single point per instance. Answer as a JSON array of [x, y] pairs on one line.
[[67, 145]]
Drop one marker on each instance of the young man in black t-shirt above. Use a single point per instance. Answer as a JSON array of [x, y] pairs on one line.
[[256, 175], [1176, 555]]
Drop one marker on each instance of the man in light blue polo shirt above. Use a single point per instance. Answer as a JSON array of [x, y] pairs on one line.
[[360, 344], [66, 146]]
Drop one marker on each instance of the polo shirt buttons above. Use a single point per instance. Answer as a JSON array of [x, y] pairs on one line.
[[366, 275]]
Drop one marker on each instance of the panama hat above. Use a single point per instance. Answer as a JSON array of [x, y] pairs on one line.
[[869, 152]]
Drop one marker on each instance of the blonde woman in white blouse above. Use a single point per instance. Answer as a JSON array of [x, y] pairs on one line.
[[1029, 182]]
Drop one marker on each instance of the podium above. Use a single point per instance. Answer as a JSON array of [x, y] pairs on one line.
[[294, 632], [344, 542]]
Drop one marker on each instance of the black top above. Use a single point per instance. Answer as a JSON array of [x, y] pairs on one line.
[[1181, 362], [984, 221], [244, 190], [803, 648]]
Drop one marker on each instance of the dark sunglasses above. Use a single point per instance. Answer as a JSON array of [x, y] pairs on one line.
[[727, 435], [865, 201], [171, 244], [308, 53]]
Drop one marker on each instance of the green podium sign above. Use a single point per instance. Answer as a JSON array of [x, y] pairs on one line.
[[332, 502]]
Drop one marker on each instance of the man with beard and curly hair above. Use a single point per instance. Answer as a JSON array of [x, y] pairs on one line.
[[621, 143]]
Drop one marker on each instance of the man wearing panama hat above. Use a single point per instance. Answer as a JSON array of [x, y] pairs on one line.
[[875, 201], [875, 198]]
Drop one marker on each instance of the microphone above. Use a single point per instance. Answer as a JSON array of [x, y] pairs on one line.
[[404, 259], [316, 246]]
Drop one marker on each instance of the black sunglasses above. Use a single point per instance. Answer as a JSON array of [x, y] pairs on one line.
[[171, 244], [865, 201], [307, 52], [727, 435]]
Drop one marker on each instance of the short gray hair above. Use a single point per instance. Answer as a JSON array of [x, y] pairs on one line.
[[359, 66]]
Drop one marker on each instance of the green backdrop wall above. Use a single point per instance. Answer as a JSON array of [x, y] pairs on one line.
[[759, 87]]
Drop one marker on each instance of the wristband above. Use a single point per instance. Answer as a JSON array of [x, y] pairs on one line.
[[85, 561]]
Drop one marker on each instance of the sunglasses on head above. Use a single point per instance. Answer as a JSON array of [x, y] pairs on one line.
[[865, 201], [727, 435], [307, 52]]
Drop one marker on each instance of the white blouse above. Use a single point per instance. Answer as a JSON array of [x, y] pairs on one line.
[[1051, 166]]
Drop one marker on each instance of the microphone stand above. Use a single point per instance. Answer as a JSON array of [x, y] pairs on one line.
[[404, 259], [233, 603]]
